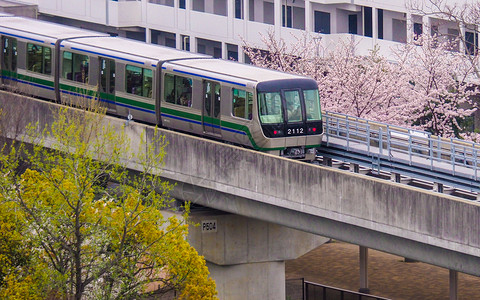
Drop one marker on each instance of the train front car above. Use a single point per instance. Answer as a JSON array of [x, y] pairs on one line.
[[290, 116]]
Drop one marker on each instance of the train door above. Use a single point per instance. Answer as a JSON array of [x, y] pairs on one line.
[[9, 59], [107, 83], [211, 107]]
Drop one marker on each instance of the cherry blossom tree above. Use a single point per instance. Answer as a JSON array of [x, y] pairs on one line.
[[362, 86], [440, 93], [300, 57], [427, 88], [463, 15]]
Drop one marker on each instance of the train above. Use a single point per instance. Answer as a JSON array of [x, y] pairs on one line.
[[245, 105]]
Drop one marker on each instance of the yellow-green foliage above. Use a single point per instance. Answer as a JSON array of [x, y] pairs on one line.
[[17, 277], [184, 262], [93, 240]]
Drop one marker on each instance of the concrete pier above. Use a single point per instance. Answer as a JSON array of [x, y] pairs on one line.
[[246, 257]]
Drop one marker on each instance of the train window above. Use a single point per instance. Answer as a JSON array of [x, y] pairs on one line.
[[147, 83], [216, 103], [39, 59], [139, 81], [178, 90], [312, 105], [294, 108], [242, 103], [9, 53], [75, 67], [270, 108]]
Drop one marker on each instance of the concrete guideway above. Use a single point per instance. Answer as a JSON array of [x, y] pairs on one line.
[[417, 154], [422, 225]]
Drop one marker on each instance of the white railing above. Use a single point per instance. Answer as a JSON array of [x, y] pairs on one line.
[[402, 145]]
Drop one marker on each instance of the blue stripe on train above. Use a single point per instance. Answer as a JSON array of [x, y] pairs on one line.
[[200, 123]]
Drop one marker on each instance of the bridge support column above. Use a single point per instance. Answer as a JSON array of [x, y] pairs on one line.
[[453, 285], [364, 270], [246, 257]]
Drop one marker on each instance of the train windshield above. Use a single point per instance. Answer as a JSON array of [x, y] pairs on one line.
[[271, 106], [312, 105], [294, 106]]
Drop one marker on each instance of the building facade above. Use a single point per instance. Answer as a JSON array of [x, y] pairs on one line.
[[220, 27]]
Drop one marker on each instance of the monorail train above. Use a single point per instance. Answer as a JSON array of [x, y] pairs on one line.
[[258, 108]]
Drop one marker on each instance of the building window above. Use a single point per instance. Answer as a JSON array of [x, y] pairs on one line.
[[452, 36], [185, 42], [220, 7], [242, 103], [287, 16], [238, 9], [380, 23], [139, 81], [217, 52], [352, 24], [178, 90], [232, 55], [201, 48], [367, 14], [39, 59], [417, 30], [268, 13], [162, 2], [471, 43], [198, 5], [399, 30], [75, 67], [322, 22], [182, 4]]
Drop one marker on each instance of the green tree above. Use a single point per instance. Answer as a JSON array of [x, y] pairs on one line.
[[18, 279], [97, 228]]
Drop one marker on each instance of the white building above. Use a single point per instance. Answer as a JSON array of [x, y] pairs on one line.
[[218, 27]]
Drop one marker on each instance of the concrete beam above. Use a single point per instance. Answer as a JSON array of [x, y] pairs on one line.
[[422, 225], [237, 240], [374, 239]]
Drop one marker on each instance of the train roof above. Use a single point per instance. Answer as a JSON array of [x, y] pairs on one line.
[[236, 69], [46, 29], [117, 46], [134, 51]]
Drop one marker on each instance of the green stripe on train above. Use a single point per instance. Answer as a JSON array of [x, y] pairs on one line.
[[213, 121], [79, 90], [110, 97], [33, 79]]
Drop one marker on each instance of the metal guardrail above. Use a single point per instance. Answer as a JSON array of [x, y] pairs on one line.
[[299, 289], [388, 146]]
